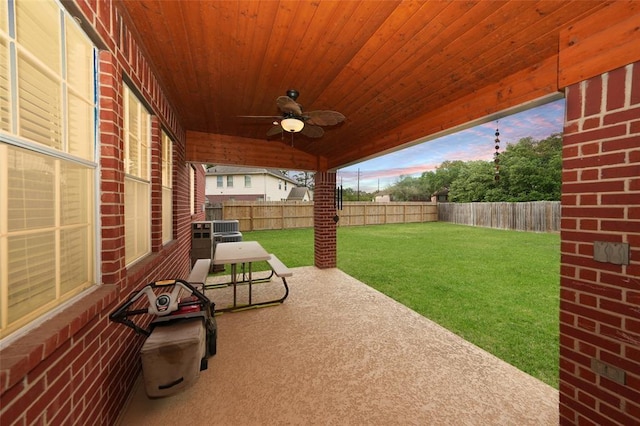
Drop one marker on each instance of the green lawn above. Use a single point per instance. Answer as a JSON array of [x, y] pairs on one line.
[[497, 289]]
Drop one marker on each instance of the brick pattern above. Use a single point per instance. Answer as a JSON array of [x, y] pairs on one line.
[[78, 367], [324, 210], [600, 302]]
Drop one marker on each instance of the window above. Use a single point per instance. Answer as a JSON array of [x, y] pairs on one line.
[[137, 200], [279, 184], [229, 181], [192, 190], [167, 195], [247, 181], [220, 181], [48, 110]]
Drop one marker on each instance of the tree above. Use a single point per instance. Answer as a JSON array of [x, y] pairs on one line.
[[306, 179], [407, 188], [473, 182], [530, 170], [442, 177], [350, 194]]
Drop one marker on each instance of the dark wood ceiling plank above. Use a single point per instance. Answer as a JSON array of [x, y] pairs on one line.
[[182, 79], [279, 54], [255, 100], [336, 43], [144, 30], [202, 99], [223, 149], [222, 54], [308, 56], [350, 41], [381, 54], [451, 67]]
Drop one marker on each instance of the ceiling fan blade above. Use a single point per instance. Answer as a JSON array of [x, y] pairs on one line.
[[275, 130], [312, 131], [288, 105], [324, 118], [270, 117]]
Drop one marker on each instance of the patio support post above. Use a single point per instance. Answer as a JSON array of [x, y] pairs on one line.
[[324, 211]]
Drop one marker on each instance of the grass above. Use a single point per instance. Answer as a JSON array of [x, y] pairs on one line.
[[497, 289]]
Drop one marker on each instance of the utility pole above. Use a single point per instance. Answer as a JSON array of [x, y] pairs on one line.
[[358, 193]]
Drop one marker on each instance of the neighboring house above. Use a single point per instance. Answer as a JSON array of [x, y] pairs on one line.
[[299, 193], [382, 198], [441, 196], [246, 184]]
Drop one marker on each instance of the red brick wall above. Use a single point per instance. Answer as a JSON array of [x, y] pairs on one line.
[[324, 210], [600, 302], [78, 367]]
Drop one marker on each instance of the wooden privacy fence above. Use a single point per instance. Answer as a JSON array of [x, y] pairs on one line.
[[369, 213], [254, 216], [536, 216]]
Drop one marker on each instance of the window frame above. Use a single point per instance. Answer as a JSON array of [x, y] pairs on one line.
[[192, 189], [72, 171], [167, 145], [138, 176]]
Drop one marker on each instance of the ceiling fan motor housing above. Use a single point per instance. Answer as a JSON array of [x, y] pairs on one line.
[[293, 94]]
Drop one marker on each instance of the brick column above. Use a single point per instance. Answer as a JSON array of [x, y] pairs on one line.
[[324, 211], [112, 170], [600, 299], [156, 184]]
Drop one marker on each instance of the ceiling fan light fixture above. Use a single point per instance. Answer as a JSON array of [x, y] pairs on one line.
[[292, 125]]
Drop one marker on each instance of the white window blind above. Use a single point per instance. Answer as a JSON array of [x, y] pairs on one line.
[[167, 192], [40, 82], [5, 104], [48, 109], [137, 205], [192, 190]]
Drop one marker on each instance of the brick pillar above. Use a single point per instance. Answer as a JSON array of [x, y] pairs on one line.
[[324, 211], [112, 170], [600, 300], [156, 184]]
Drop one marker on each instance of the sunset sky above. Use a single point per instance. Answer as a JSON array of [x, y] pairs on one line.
[[475, 143]]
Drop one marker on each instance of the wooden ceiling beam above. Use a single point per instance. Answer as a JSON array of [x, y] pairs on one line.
[[210, 148], [600, 43]]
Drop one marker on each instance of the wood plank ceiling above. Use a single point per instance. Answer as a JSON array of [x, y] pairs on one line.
[[399, 71]]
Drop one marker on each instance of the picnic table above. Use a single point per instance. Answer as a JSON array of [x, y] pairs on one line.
[[245, 253]]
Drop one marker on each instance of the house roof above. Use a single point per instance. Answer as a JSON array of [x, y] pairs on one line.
[[401, 72], [298, 193], [218, 170]]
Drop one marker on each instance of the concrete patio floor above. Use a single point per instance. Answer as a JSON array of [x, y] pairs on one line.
[[339, 352]]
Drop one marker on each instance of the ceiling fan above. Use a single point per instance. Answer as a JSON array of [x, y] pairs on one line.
[[294, 120]]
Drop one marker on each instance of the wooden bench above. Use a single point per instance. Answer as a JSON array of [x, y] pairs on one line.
[[199, 272], [281, 270], [277, 268]]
